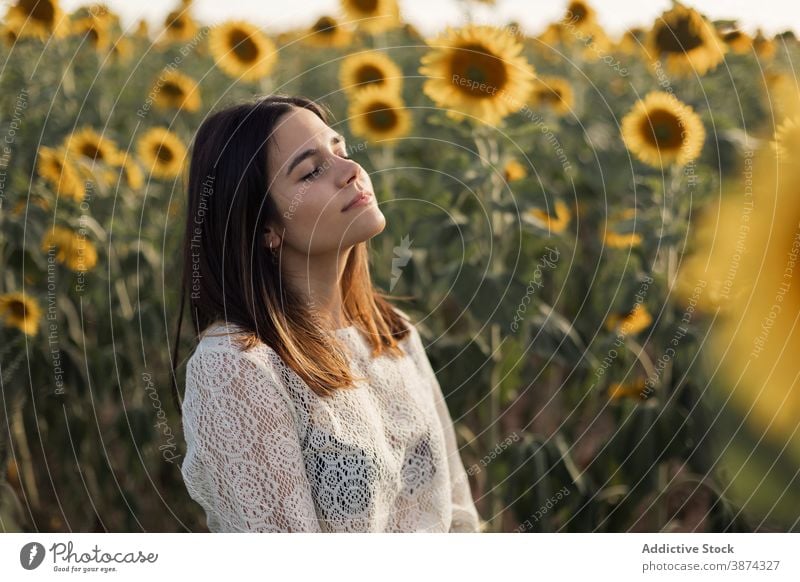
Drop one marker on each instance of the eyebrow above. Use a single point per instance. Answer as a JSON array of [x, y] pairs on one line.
[[337, 138]]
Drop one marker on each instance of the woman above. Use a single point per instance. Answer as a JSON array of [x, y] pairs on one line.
[[310, 404]]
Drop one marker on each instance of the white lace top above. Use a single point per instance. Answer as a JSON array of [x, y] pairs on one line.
[[265, 453]]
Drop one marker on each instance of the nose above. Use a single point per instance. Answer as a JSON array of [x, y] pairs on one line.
[[349, 172]]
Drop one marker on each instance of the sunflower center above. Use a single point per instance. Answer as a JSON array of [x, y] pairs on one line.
[[381, 117], [164, 154], [662, 129], [682, 36], [478, 72], [552, 96], [325, 25], [577, 12], [172, 90], [91, 151], [17, 309], [41, 10], [366, 5], [243, 46], [369, 74], [175, 21]]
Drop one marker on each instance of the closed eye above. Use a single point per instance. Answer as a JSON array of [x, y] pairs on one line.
[[318, 170]]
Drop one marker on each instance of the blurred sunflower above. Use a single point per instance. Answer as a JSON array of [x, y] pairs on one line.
[[20, 311], [55, 168], [661, 130], [95, 30], [241, 50], [757, 341], [687, 41], [71, 249], [580, 15], [781, 95], [737, 40], [133, 174], [787, 141], [542, 219], [617, 240], [620, 390], [174, 90], [373, 16], [122, 50], [764, 47], [327, 32], [142, 29], [554, 93], [162, 152], [367, 69], [378, 115], [35, 200], [87, 143], [597, 44], [477, 71], [631, 323], [514, 170], [552, 35], [179, 26], [37, 18], [632, 41]]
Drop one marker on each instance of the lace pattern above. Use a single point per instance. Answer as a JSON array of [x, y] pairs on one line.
[[266, 454]]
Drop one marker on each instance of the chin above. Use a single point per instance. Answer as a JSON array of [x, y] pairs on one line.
[[367, 225]]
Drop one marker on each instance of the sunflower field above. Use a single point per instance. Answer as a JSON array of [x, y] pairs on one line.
[[597, 235]]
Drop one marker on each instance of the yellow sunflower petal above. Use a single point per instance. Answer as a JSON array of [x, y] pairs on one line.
[[20, 311]]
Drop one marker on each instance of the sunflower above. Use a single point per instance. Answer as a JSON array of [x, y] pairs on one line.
[[378, 115], [122, 50], [54, 167], [162, 151], [133, 174], [373, 16], [542, 219], [37, 18], [687, 41], [142, 29], [617, 240], [89, 144], [662, 130], [20, 311], [632, 41], [787, 140], [554, 93], [514, 170], [367, 69], [764, 47], [757, 341], [781, 95], [326, 32], [736, 39], [242, 51], [178, 91], [33, 199], [71, 249], [631, 323], [477, 71], [635, 389], [96, 31], [179, 26], [580, 15]]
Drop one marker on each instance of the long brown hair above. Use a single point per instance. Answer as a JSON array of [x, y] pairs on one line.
[[230, 276]]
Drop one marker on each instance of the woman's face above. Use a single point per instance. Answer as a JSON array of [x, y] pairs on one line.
[[312, 182]]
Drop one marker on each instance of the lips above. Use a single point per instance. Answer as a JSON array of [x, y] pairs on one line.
[[357, 197]]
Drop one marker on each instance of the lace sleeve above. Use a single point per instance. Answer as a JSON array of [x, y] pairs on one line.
[[465, 515], [244, 460]]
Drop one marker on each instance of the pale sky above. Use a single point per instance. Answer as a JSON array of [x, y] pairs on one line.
[[430, 16]]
